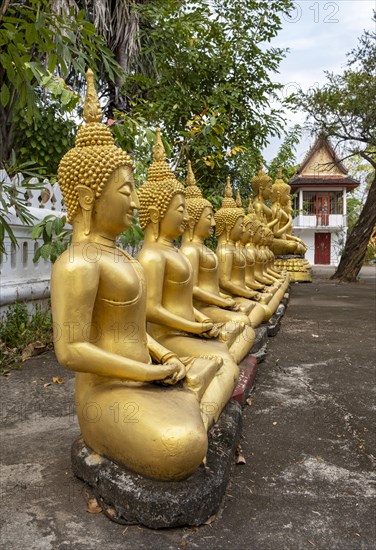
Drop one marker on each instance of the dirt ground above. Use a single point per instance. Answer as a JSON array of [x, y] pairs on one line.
[[309, 479]]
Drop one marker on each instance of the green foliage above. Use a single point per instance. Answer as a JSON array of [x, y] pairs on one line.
[[204, 75], [18, 329], [40, 52], [11, 197], [285, 158], [132, 238], [47, 141], [55, 238]]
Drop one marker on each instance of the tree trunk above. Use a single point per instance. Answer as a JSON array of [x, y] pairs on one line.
[[357, 242]]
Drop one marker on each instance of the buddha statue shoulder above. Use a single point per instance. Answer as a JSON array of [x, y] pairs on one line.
[[207, 297], [137, 403], [172, 318]]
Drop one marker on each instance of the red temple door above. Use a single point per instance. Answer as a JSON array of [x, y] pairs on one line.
[[322, 248]]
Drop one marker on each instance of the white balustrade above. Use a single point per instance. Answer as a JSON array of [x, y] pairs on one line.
[[20, 278]]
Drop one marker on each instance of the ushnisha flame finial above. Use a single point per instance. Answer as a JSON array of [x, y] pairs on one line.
[[238, 200], [279, 175], [191, 180], [92, 109], [228, 190], [159, 150]]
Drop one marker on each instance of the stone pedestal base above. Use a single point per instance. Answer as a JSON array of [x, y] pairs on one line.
[[135, 499], [274, 323], [260, 344]]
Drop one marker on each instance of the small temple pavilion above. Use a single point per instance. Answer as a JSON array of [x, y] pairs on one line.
[[320, 187]]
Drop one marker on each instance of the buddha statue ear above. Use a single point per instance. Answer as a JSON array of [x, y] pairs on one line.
[[228, 231], [191, 227], [86, 199], [154, 218]]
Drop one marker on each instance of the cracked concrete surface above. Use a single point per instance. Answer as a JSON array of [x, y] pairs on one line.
[[308, 440]]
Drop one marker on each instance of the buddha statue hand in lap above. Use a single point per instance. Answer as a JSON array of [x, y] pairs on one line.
[[172, 318], [98, 296], [207, 297]]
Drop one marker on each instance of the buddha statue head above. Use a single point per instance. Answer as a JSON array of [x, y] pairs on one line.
[[229, 218], [94, 169], [200, 210], [280, 190], [247, 226], [252, 223], [162, 197], [261, 184]]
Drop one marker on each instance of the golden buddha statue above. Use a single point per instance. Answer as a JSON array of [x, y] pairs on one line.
[[98, 298], [284, 242], [229, 230], [207, 298], [172, 319], [269, 295], [262, 190], [257, 245]]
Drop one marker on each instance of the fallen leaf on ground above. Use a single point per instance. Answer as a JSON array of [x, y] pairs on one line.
[[35, 348], [210, 520], [315, 336], [275, 423], [57, 380], [46, 385], [240, 459], [93, 506], [249, 401]]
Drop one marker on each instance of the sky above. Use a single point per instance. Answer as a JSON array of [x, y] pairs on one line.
[[319, 34]]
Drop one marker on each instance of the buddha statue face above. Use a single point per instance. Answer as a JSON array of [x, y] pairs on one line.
[[118, 197], [174, 221], [247, 233], [237, 230], [266, 189], [258, 234], [229, 218], [262, 184], [203, 227]]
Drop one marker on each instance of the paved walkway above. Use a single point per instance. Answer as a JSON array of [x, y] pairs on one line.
[[309, 477]]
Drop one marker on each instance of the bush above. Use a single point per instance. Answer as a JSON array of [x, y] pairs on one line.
[[19, 329]]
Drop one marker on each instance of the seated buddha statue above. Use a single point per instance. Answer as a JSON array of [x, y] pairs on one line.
[[269, 295], [262, 191], [282, 231], [231, 261], [207, 297], [172, 319], [258, 245], [137, 403]]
